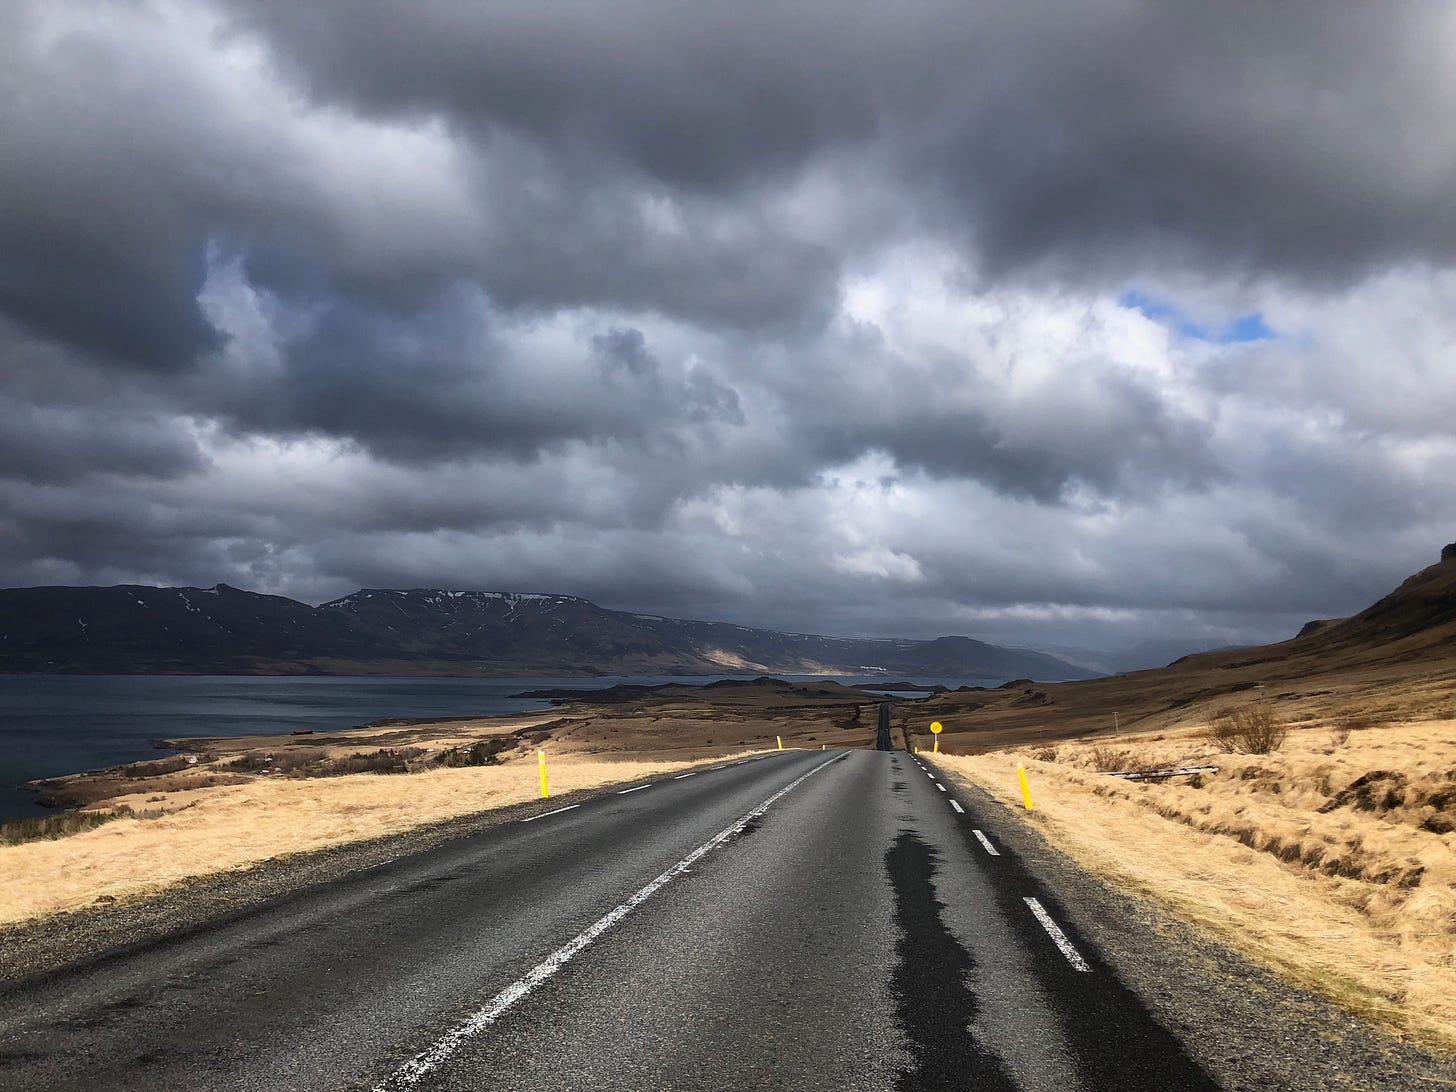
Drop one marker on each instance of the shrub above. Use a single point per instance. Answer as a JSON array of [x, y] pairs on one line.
[[1251, 730], [388, 760], [1260, 732], [1340, 735], [157, 768], [46, 827], [1107, 759], [482, 753], [291, 762], [126, 811], [1360, 723], [1223, 730]]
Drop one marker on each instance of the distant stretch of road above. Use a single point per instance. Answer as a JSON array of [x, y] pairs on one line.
[[805, 920]]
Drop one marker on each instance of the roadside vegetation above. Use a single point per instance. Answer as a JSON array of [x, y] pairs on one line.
[[1327, 850], [1246, 730], [45, 827], [385, 760], [248, 819], [50, 827]]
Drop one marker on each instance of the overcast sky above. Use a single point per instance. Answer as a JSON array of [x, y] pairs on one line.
[[1051, 324]]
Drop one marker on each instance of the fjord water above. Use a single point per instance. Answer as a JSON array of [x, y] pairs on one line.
[[59, 724]]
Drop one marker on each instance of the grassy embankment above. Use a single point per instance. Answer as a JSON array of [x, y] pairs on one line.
[[222, 826], [1333, 859]]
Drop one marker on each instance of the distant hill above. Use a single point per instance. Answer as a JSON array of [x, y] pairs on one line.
[[1393, 661], [1416, 622], [222, 630], [1140, 656]]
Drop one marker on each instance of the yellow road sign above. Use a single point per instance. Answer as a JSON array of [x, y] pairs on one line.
[[935, 727]]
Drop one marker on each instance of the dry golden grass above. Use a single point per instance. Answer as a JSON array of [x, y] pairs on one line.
[[229, 827], [1334, 862]]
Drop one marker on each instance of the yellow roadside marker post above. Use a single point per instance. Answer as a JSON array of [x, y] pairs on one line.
[[781, 742], [1025, 789], [935, 730], [541, 764]]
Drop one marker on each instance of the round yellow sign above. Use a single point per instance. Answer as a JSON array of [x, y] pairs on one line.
[[935, 727]]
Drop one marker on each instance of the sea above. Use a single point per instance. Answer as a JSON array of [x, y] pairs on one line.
[[60, 724]]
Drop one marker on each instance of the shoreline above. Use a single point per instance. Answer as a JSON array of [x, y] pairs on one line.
[[94, 788], [624, 700], [61, 729]]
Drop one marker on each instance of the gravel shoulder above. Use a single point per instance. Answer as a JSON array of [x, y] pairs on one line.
[[35, 948], [1247, 1027]]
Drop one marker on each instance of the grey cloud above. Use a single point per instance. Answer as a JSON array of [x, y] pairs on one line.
[[533, 296], [63, 422], [1120, 441], [57, 446], [625, 350], [446, 381], [705, 98], [1093, 141]]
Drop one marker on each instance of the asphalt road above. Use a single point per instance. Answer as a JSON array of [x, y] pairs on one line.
[[807, 920]]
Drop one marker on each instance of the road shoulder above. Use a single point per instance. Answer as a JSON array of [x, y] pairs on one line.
[[1209, 995]]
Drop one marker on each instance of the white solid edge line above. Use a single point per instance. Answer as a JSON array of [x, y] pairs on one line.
[[986, 842], [939, 786], [1058, 937], [426, 1061], [679, 777], [634, 788], [544, 814], [957, 807]]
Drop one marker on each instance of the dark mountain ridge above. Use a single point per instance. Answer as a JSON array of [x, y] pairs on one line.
[[1417, 621], [222, 630]]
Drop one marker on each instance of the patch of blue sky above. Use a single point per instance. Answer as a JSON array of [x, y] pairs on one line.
[[1250, 327]]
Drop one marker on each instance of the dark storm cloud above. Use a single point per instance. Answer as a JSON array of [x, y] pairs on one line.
[[1091, 138], [794, 313], [58, 445], [62, 421], [1097, 428], [702, 97], [96, 249], [440, 381], [1092, 142]]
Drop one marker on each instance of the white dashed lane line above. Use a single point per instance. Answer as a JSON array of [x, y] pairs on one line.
[[1053, 930], [544, 814], [418, 1067], [634, 788], [680, 776], [1059, 938]]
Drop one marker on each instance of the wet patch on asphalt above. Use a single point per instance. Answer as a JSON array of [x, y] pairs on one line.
[[931, 983]]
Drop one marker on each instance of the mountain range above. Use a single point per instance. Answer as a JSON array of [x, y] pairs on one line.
[[132, 629]]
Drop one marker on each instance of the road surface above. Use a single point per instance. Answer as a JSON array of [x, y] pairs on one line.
[[804, 920]]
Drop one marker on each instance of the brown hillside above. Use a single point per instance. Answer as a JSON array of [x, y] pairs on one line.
[[1394, 660], [1419, 614]]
